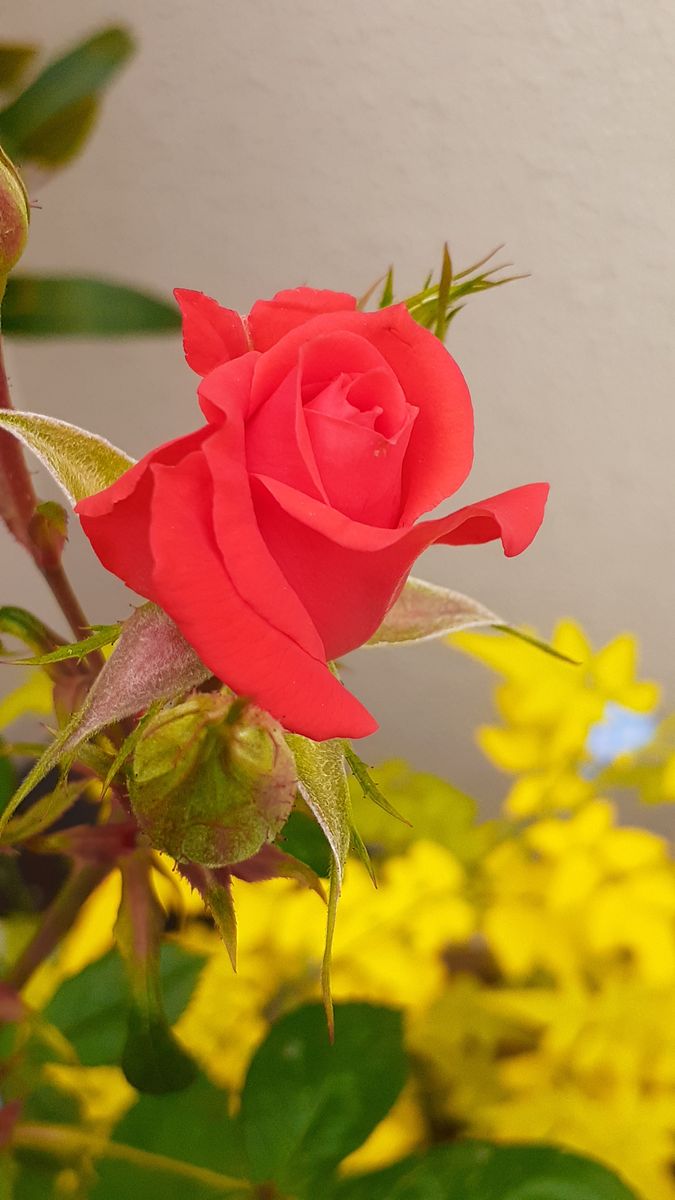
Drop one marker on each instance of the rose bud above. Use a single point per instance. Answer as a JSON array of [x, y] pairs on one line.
[[212, 780], [14, 216]]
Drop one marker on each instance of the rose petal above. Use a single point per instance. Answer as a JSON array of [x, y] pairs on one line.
[[316, 547], [117, 520], [211, 334], [441, 446], [270, 320], [254, 572], [239, 646], [278, 442]]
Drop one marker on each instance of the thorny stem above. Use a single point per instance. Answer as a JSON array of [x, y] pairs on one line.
[[57, 920], [18, 503]]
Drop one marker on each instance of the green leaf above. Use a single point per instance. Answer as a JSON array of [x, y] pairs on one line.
[[322, 781], [61, 138], [323, 785], [81, 463], [190, 1127], [91, 1009], [15, 58], [307, 1104], [437, 812], [151, 661], [43, 813], [63, 85], [37, 306], [104, 635], [425, 610], [23, 625], [481, 1171], [304, 839]]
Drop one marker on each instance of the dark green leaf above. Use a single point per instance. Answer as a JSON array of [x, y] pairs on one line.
[[65, 83], [15, 58], [303, 838], [307, 1104], [61, 138], [92, 1008], [72, 306], [481, 1171]]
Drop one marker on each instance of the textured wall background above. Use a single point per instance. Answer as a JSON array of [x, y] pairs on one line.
[[254, 146]]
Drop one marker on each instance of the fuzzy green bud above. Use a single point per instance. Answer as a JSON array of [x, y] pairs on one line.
[[14, 216], [212, 780]]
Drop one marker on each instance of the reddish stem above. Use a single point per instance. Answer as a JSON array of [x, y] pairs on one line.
[[18, 503]]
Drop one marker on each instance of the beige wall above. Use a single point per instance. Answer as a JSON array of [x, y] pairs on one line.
[[258, 145]]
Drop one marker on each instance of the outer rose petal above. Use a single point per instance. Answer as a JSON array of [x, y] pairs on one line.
[[270, 320], [316, 547], [211, 334], [234, 642], [117, 520], [254, 572], [440, 452]]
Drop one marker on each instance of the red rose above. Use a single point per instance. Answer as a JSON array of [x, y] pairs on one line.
[[278, 535]]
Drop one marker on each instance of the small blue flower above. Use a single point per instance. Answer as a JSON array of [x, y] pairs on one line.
[[619, 731]]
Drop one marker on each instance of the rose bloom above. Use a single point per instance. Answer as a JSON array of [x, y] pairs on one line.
[[278, 534]]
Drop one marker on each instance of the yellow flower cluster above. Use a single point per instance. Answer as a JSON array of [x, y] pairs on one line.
[[548, 709], [534, 958]]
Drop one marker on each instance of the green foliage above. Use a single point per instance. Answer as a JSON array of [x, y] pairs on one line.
[[50, 120], [91, 1009], [437, 304], [323, 785], [103, 635], [74, 306], [433, 809], [424, 610], [480, 1171], [15, 59], [306, 1104], [43, 812], [304, 839], [82, 463], [190, 1128], [151, 661]]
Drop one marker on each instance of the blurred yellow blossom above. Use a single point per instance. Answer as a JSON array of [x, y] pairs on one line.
[[33, 697], [549, 707]]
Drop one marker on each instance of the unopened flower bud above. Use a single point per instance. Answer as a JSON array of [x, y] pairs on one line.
[[212, 780], [14, 215]]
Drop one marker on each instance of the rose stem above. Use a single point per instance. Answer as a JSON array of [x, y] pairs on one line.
[[18, 503], [57, 920]]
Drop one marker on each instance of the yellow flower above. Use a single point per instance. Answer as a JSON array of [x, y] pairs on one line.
[[33, 697], [548, 708]]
